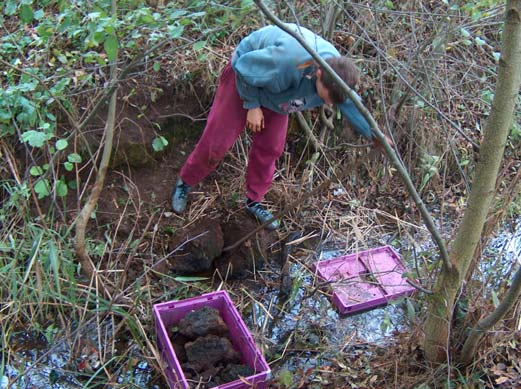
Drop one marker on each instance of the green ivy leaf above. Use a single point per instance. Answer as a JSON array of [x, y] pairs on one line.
[[39, 14], [45, 31], [28, 114], [177, 13], [156, 66], [111, 47], [36, 171], [61, 144], [175, 31], [34, 138], [61, 188], [199, 45], [60, 86], [42, 188], [68, 166], [26, 13], [28, 86], [159, 143], [5, 116], [10, 7], [74, 158]]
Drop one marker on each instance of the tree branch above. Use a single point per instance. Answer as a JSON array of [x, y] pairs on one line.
[[480, 330], [84, 215], [376, 131]]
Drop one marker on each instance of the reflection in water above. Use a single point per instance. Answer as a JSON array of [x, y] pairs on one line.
[[308, 326], [51, 366], [501, 259]]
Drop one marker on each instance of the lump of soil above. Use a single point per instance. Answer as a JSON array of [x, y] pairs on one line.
[[233, 372], [207, 351], [209, 360], [202, 243], [178, 343], [202, 322], [249, 256]]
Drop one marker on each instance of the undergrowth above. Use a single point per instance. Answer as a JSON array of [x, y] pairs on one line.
[[428, 75]]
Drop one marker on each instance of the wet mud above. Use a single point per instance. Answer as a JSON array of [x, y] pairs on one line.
[[199, 248]]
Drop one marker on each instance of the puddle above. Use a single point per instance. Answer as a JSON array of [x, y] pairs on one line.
[[502, 257], [39, 364], [309, 327]]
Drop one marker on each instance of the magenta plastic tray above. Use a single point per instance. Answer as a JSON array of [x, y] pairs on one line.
[[170, 313], [364, 280]]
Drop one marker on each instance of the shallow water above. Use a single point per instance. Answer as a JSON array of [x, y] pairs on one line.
[[46, 366], [308, 329], [501, 258]]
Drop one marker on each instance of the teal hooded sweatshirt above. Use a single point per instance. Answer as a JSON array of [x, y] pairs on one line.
[[274, 71]]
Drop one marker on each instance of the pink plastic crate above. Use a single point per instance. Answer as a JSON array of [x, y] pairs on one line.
[[364, 280], [170, 313]]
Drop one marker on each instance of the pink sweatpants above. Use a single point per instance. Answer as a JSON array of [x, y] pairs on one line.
[[226, 121]]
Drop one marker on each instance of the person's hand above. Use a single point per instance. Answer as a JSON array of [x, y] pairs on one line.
[[255, 119]]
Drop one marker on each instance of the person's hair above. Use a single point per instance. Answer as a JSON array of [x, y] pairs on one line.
[[346, 70]]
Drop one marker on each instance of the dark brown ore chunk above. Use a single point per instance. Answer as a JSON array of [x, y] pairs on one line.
[[209, 350], [202, 322]]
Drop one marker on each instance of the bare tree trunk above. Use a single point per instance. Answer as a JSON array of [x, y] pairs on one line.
[[84, 216], [441, 304]]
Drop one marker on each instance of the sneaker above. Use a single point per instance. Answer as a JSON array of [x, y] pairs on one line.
[[261, 214], [180, 196]]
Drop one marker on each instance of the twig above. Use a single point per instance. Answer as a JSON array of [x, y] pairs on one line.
[[309, 132], [485, 324], [415, 91]]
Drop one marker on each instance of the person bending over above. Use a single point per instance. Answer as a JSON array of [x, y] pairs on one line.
[[269, 76]]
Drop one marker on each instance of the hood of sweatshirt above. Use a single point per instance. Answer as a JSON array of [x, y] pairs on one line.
[[274, 71]]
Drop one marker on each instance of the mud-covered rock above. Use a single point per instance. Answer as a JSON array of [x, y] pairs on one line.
[[196, 247], [178, 343], [234, 371], [203, 347], [202, 322], [207, 351], [250, 255]]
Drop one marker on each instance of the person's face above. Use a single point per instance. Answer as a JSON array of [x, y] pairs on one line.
[[322, 91]]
